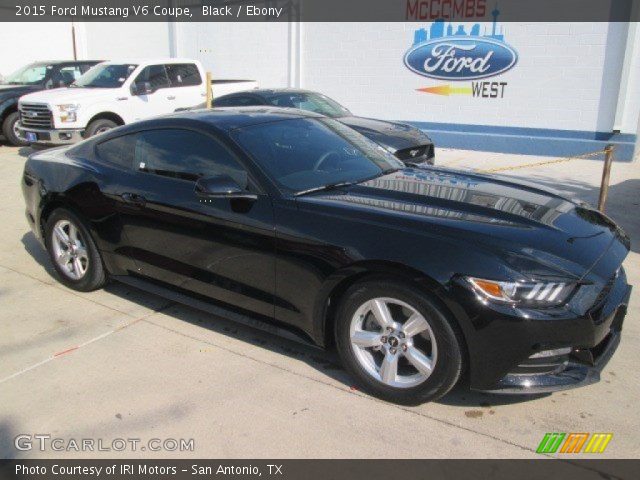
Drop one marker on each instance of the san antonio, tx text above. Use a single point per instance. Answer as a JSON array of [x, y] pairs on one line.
[[143, 469], [145, 11]]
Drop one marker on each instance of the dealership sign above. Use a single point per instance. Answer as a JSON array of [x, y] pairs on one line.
[[462, 52], [460, 59]]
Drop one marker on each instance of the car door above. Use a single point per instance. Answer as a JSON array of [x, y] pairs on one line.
[[221, 248], [186, 84], [158, 100]]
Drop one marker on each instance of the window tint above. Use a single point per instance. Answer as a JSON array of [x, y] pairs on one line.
[[313, 102], [117, 151], [185, 155], [306, 153], [106, 76], [67, 75], [237, 101], [183, 75], [155, 75]]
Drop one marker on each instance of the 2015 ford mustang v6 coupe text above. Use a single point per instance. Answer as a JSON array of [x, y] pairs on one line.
[[418, 276]]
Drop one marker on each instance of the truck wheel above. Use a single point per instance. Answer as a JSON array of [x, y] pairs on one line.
[[99, 126], [10, 130]]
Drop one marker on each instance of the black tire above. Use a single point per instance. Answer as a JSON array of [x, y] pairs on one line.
[[8, 130], [449, 362], [99, 126], [95, 276]]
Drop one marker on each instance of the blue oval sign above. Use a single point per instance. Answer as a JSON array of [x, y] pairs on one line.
[[469, 58]]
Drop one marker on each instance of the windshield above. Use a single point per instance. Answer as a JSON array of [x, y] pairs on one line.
[[105, 76], [308, 153], [33, 74], [312, 102]]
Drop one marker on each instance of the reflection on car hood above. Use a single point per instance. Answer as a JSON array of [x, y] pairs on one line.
[[396, 136], [499, 214]]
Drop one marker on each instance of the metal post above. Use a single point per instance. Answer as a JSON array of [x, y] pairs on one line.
[[606, 174], [73, 41], [209, 90]]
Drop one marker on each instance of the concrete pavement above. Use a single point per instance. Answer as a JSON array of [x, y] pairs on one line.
[[120, 363]]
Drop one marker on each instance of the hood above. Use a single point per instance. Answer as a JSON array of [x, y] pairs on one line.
[[12, 91], [57, 96], [533, 229], [394, 135]]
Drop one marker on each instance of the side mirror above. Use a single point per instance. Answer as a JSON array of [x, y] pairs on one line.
[[221, 186]]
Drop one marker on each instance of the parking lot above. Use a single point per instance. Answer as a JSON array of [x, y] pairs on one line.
[[120, 363]]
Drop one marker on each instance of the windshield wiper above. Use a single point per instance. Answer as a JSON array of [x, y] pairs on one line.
[[324, 188]]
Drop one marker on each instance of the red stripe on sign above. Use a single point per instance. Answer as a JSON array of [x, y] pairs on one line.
[[65, 351]]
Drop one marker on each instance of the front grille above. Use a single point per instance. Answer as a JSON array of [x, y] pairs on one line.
[[419, 153], [36, 115]]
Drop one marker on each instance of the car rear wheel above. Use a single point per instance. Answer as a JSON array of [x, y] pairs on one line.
[[398, 343], [73, 252], [10, 130], [99, 126]]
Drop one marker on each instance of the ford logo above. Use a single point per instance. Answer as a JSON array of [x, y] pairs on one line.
[[468, 58]]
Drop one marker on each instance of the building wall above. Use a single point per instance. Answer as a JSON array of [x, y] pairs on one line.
[[105, 41], [21, 45], [560, 81], [254, 51], [573, 85]]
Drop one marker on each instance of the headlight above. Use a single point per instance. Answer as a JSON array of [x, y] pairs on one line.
[[68, 112], [523, 293]]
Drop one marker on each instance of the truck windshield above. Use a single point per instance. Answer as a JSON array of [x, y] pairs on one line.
[[105, 76], [32, 74]]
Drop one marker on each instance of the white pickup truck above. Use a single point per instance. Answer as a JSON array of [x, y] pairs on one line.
[[115, 93]]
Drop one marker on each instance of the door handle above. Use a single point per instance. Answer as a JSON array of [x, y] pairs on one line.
[[134, 199], [171, 97]]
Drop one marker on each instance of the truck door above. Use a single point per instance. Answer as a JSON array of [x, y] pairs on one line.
[[153, 93], [187, 85]]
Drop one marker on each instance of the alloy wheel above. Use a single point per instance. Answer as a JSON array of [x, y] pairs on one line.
[[69, 249], [393, 342]]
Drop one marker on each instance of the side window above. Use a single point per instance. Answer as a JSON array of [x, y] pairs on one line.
[[67, 75], [183, 74], [155, 75], [84, 68], [117, 151], [185, 155]]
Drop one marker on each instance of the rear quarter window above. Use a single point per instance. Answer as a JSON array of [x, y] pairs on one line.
[[183, 74], [118, 152]]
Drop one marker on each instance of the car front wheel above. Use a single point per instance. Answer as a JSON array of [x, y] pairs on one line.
[[398, 343], [73, 252]]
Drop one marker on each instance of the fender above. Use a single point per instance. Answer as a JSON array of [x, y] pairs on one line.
[[7, 106]]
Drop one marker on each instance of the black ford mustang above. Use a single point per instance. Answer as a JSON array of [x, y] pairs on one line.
[[294, 221], [408, 143]]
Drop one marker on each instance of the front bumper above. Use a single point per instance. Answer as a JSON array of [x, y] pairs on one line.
[[51, 136], [512, 351], [576, 372]]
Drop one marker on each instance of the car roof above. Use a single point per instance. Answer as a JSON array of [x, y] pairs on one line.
[[266, 92], [140, 61], [223, 119], [63, 62]]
